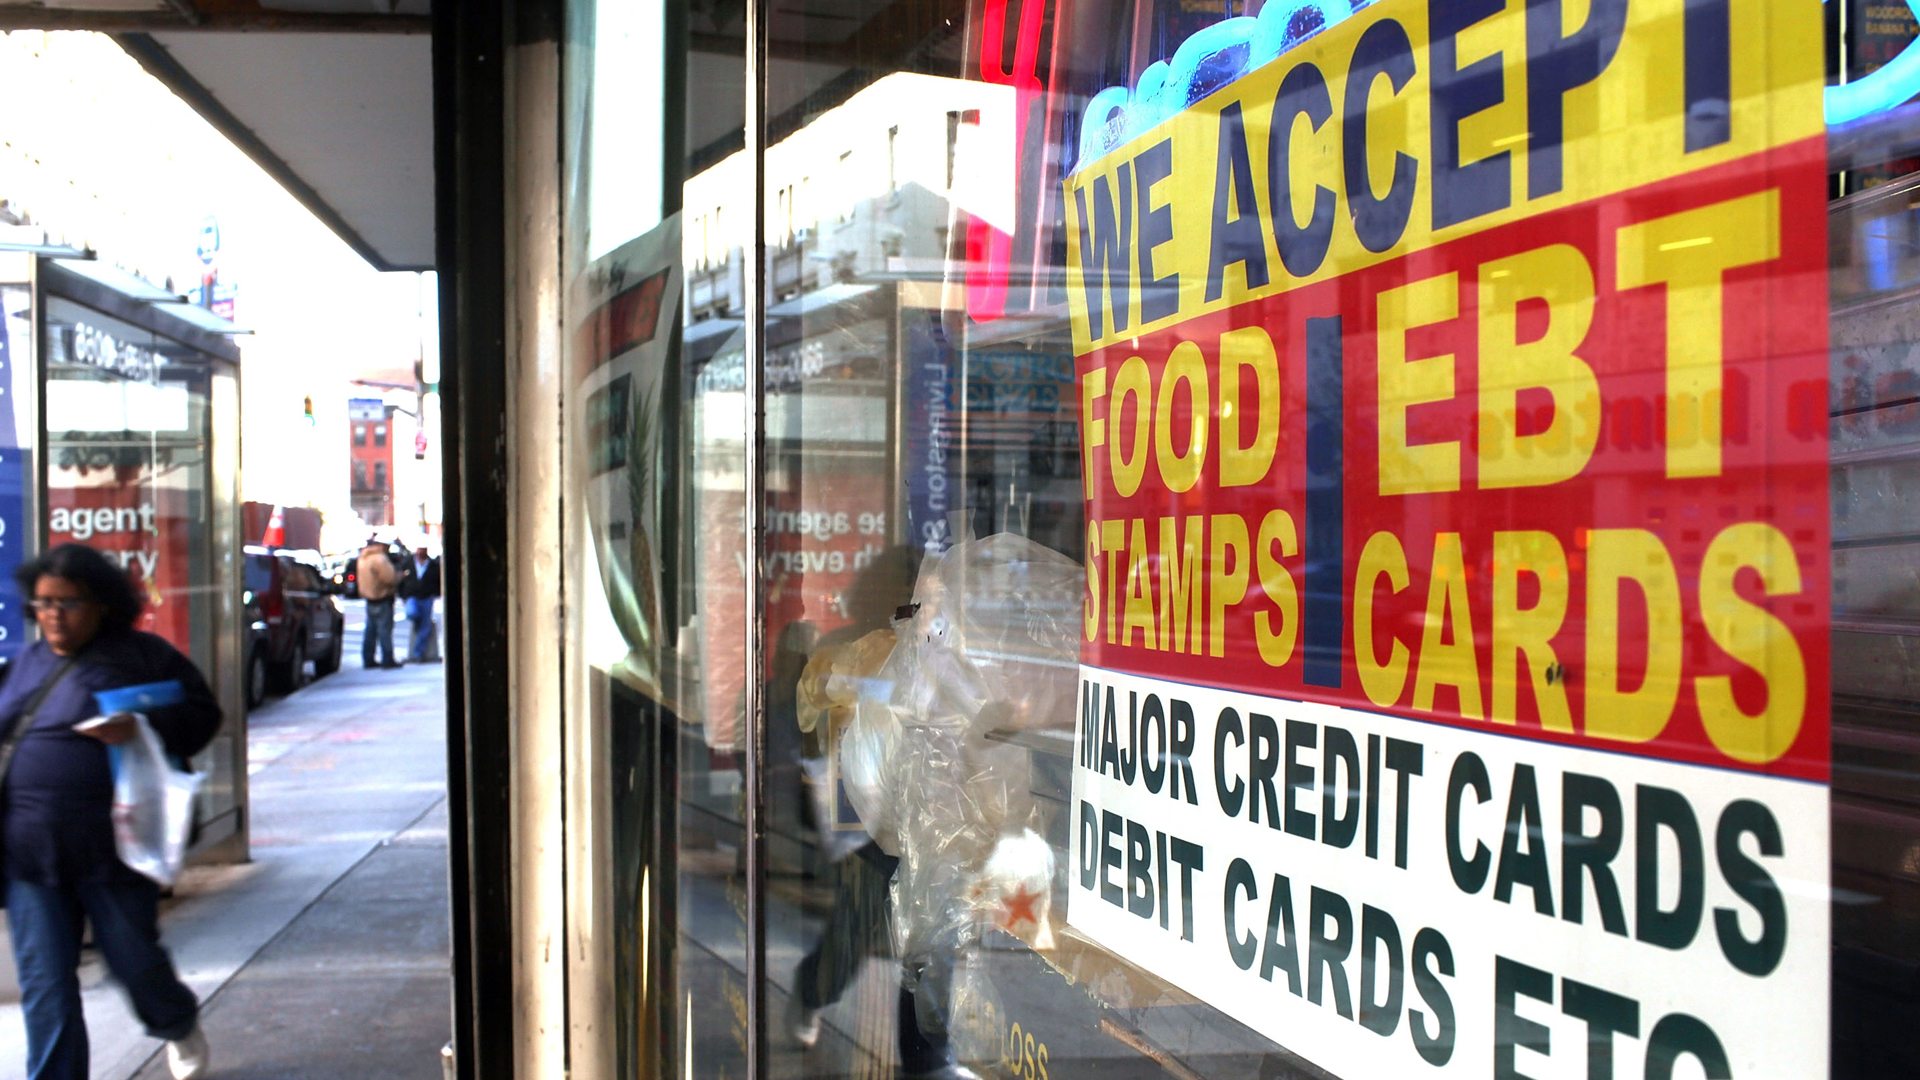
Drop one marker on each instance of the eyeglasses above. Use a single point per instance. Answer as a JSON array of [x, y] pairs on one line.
[[47, 606]]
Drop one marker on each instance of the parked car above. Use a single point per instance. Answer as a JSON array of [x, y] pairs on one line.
[[294, 618]]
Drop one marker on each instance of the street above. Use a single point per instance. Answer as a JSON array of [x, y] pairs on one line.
[[327, 955]]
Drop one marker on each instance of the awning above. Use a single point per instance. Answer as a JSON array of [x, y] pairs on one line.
[[332, 98]]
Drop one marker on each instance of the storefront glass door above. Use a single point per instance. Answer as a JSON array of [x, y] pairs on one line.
[[1293, 539]]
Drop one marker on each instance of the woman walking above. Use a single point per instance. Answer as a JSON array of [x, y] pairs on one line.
[[60, 865]]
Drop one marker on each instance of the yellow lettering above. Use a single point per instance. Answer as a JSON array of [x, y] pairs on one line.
[[1139, 615], [1444, 663], [1636, 555], [1227, 586], [1406, 469], [1248, 347], [1180, 584], [1752, 635], [1382, 682], [1093, 430], [1132, 382], [1092, 605], [1181, 471], [1276, 581], [1690, 252], [1558, 274], [1113, 541], [1525, 635]]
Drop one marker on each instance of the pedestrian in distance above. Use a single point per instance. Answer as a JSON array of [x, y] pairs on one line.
[[377, 580], [421, 588], [61, 868]]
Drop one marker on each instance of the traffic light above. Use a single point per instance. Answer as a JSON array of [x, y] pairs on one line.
[[309, 408]]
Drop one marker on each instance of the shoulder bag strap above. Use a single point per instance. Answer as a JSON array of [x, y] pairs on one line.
[[13, 738]]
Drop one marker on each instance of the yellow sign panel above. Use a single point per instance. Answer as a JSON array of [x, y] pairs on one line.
[[1389, 133]]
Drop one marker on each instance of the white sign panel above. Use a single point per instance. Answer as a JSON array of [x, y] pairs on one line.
[[1391, 898]]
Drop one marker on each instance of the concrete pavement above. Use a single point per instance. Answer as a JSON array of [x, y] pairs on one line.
[[327, 955]]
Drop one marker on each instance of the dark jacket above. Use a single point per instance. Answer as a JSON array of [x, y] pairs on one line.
[[419, 585], [58, 794]]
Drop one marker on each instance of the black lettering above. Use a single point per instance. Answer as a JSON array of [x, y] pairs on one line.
[[1528, 867], [1606, 1014], [1406, 759], [1110, 856], [1281, 951], [1655, 808], [1153, 769], [1139, 870], [1373, 796], [1468, 772], [1329, 952], [1383, 49], [1244, 949], [1191, 857], [1110, 739], [1106, 256], [1299, 776], [1463, 191], [1089, 846], [1159, 297], [1339, 829], [1753, 884], [1302, 248], [1709, 74], [1130, 753], [1230, 797], [1555, 65], [1677, 1034], [1263, 761], [1160, 845], [1236, 241], [1431, 945], [1089, 723], [1583, 855], [1183, 735], [1377, 932], [1513, 979]]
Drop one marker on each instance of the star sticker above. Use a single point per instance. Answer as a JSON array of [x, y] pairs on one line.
[[1019, 908]]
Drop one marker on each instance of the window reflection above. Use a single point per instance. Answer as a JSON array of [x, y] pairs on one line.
[[927, 408]]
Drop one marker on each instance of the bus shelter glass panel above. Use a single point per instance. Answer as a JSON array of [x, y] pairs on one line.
[[129, 417]]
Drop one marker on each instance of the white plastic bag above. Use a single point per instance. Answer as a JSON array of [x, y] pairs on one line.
[[992, 649], [152, 805]]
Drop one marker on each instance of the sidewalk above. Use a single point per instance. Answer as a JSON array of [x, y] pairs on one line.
[[327, 955]]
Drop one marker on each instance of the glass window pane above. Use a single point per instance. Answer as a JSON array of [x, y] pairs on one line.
[[1300, 539], [657, 494], [1245, 603]]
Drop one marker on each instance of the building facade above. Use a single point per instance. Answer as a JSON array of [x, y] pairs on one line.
[[370, 459]]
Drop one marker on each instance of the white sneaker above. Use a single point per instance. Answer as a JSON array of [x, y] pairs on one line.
[[187, 1058], [805, 1027]]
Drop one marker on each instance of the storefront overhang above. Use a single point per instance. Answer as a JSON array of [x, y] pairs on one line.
[[332, 99]]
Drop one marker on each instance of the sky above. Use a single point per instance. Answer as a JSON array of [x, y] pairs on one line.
[[100, 154]]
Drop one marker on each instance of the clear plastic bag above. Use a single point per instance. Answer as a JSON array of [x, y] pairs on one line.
[[152, 805], [991, 649]]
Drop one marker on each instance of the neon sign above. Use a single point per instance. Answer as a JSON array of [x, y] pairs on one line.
[[1888, 86], [1208, 60], [1221, 53]]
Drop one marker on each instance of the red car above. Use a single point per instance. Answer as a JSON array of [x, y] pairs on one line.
[[293, 618]]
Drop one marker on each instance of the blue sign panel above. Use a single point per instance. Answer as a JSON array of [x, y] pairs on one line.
[[929, 462], [16, 458]]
